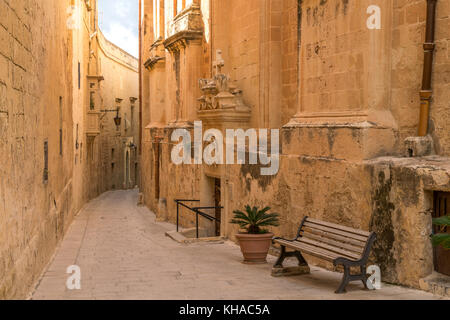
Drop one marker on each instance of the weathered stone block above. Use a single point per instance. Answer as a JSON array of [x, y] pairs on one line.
[[290, 271], [419, 146]]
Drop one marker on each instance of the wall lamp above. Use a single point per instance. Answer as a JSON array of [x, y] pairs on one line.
[[117, 119]]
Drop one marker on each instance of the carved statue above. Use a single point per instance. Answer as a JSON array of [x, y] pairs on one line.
[[219, 92]]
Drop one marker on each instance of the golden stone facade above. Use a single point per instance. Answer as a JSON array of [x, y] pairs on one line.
[[57, 75], [345, 97]]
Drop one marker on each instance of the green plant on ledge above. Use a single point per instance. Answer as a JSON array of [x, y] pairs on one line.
[[254, 219], [442, 239]]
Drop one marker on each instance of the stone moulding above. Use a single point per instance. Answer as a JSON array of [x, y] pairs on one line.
[[221, 116], [182, 39], [96, 77], [151, 62], [157, 54]]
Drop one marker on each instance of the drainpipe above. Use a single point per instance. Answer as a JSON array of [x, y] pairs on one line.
[[426, 93]]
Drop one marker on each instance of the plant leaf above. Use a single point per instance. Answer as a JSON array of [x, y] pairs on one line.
[[442, 221], [441, 239]]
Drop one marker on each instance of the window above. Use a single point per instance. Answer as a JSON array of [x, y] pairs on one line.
[[60, 126], [132, 118], [178, 6], [158, 19], [79, 75], [92, 100], [175, 7], [45, 161]]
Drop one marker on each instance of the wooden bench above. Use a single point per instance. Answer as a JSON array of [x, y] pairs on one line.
[[331, 242]]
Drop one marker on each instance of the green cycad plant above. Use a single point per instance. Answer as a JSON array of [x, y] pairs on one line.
[[253, 220], [442, 239]]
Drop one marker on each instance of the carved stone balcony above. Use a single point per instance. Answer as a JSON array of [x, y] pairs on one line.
[[187, 26], [92, 126]]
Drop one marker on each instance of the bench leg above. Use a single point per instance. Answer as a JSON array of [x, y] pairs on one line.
[[279, 271], [301, 260], [349, 277], [364, 276], [345, 280], [279, 263], [284, 255]]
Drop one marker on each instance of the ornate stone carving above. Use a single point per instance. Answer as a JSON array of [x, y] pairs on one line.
[[219, 93]]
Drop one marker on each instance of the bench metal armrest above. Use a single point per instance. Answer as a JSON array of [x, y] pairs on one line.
[[280, 238], [348, 262], [365, 254], [298, 232]]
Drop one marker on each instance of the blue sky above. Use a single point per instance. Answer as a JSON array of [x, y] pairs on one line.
[[119, 21]]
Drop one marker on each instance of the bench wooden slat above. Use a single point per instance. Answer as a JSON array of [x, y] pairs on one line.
[[332, 236], [338, 244], [323, 254], [322, 245], [339, 227], [335, 231]]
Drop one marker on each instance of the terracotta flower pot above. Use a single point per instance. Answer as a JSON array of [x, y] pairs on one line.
[[255, 247]]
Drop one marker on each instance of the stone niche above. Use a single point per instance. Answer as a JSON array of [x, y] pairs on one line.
[[222, 102]]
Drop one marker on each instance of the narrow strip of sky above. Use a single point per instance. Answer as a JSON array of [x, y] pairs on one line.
[[119, 22]]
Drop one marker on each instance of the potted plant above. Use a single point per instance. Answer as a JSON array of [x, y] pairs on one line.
[[255, 241], [442, 239]]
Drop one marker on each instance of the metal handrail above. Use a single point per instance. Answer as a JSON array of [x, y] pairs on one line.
[[180, 202], [196, 210]]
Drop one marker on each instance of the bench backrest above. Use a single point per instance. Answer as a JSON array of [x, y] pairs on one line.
[[347, 242]]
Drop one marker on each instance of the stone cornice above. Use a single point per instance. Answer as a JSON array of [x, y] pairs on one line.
[[182, 39], [151, 62], [96, 77], [225, 116]]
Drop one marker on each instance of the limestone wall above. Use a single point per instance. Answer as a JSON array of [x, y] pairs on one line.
[[35, 80], [53, 151]]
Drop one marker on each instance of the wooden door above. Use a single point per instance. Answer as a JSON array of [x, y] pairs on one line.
[[441, 257]]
